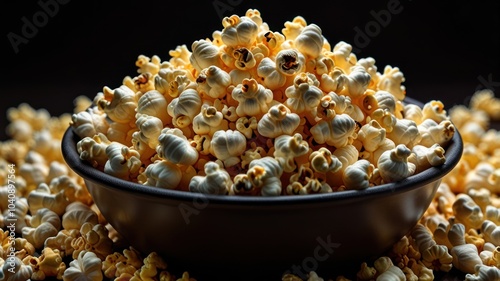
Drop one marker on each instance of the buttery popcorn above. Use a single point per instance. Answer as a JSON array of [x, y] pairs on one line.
[[289, 94], [462, 222]]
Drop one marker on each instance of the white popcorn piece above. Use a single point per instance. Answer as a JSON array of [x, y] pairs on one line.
[[287, 148], [358, 175], [216, 180], [87, 266], [393, 164], [279, 120], [227, 146], [163, 174], [175, 147], [44, 224]]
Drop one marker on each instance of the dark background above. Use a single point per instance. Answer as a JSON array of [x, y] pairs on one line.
[[446, 49]]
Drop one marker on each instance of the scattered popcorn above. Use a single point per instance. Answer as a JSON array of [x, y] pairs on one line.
[[44, 224], [87, 266], [42, 197], [486, 101], [15, 270], [483, 273], [48, 264], [465, 255]]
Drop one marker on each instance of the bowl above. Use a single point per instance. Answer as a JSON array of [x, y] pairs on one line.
[[238, 237]]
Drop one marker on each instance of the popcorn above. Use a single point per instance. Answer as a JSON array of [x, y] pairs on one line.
[[246, 126], [434, 256], [262, 178], [44, 224], [305, 182], [465, 256], [15, 270], [78, 213], [49, 264], [87, 266], [490, 255], [467, 211], [175, 147], [184, 108], [304, 95], [491, 232], [253, 98], [432, 132], [251, 85], [393, 164], [310, 41], [62, 241], [485, 101], [94, 238], [42, 197], [287, 148], [227, 146], [337, 132], [405, 132], [172, 94], [483, 273], [213, 81], [118, 104], [391, 81], [356, 82], [216, 180], [153, 103], [162, 174], [123, 162], [358, 175], [279, 120], [425, 157], [204, 54], [87, 124]]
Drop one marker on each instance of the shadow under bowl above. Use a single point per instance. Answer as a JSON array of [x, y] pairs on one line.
[[237, 237]]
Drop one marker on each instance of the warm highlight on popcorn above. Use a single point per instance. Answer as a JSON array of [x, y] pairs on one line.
[[253, 111]]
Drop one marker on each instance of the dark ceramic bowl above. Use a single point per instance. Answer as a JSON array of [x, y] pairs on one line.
[[259, 237]]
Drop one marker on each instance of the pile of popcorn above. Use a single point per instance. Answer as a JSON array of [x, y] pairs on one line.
[[253, 111], [51, 228]]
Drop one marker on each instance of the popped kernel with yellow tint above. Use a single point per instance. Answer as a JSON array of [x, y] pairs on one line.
[[246, 87], [442, 222]]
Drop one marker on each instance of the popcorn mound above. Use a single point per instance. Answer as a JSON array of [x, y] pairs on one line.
[[253, 111], [60, 234]]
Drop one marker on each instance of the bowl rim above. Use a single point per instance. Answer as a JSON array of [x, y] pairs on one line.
[[453, 153]]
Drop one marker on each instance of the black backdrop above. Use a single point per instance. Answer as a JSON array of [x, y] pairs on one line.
[[55, 50]]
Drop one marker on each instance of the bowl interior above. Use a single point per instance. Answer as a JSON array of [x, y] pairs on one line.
[[453, 154]]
